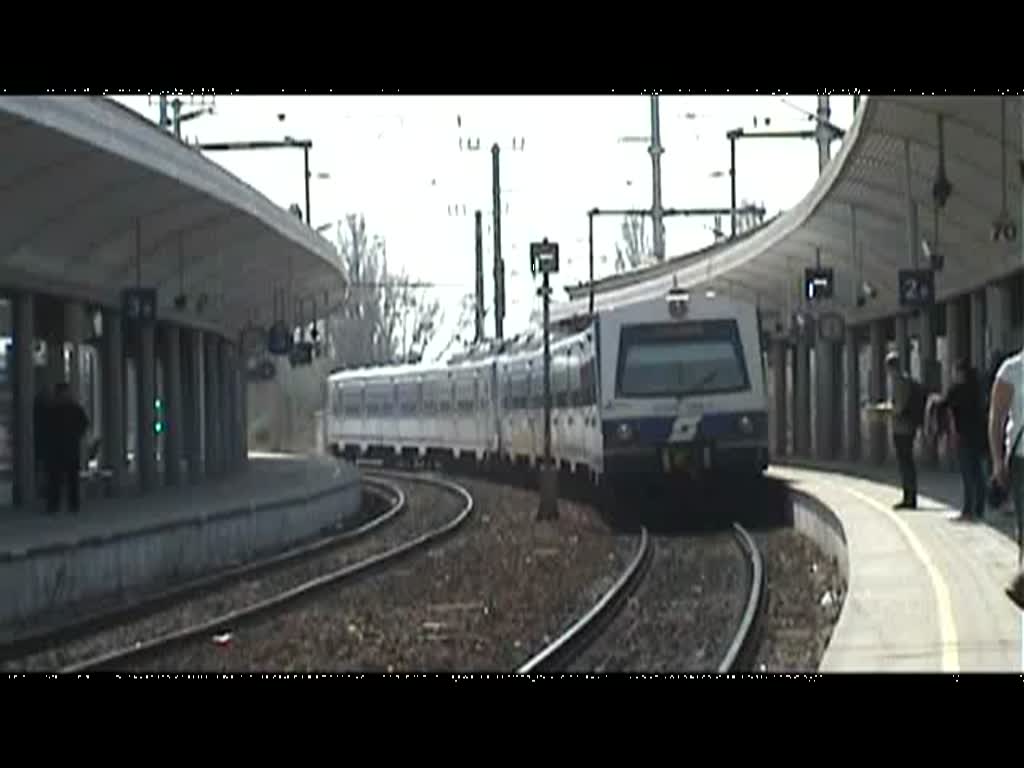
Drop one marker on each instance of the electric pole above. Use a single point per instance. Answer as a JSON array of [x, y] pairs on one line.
[[499, 265], [479, 276], [656, 151], [824, 133]]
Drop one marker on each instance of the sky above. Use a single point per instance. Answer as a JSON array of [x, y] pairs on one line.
[[397, 161]]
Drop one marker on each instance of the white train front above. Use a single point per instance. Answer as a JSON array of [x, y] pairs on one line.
[[670, 387]]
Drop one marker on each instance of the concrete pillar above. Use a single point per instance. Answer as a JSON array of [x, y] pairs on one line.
[[192, 415], [227, 408], [978, 357], [211, 407], [876, 383], [824, 370], [851, 433], [74, 333], [931, 376], [955, 346], [802, 408], [997, 320], [24, 393], [145, 372], [903, 341], [173, 406], [779, 349], [112, 360], [243, 404]]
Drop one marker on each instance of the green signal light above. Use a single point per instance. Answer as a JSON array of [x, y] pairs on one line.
[[159, 403], [159, 427]]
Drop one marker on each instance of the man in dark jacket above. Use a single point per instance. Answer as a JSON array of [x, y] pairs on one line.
[[67, 424]]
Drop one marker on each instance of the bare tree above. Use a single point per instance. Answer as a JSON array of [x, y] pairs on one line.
[[635, 250], [384, 317], [463, 335]]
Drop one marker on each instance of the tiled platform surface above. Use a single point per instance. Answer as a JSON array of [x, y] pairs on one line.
[[925, 590], [114, 545]]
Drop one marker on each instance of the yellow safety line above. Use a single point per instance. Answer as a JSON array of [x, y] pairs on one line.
[[944, 605]]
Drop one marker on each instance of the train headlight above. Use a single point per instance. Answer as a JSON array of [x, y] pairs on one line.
[[746, 425], [624, 433]]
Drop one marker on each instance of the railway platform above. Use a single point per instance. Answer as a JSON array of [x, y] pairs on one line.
[[925, 590], [116, 546]]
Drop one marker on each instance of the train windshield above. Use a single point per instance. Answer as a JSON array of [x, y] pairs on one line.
[[680, 359]]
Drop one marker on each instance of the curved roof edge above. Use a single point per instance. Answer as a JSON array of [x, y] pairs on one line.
[[699, 269], [113, 128]]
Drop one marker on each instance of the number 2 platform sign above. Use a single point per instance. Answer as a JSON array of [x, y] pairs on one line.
[[917, 287]]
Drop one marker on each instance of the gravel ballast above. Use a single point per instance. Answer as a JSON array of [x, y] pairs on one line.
[[428, 508], [683, 616], [485, 600], [805, 596]]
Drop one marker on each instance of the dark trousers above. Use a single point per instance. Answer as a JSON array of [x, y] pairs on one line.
[[61, 474], [973, 480], [908, 472]]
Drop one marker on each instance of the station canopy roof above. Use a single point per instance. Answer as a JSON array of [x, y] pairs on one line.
[[856, 216], [87, 184]]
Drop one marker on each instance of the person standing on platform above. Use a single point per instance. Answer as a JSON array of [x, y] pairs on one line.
[[964, 402], [1005, 427], [67, 426], [906, 409]]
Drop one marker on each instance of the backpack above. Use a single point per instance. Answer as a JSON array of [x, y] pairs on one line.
[[917, 403]]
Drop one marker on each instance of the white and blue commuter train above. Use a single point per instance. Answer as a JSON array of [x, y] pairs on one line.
[[673, 388]]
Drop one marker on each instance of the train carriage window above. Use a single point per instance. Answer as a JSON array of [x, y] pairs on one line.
[[352, 401], [429, 397], [445, 395], [575, 392], [559, 383], [588, 382], [408, 397], [465, 395], [518, 389], [536, 389], [336, 404]]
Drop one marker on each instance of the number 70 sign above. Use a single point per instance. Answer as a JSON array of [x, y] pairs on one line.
[[916, 287]]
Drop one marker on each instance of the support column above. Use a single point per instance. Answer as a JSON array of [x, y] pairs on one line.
[[851, 434], [824, 356], [954, 339], [145, 454], [903, 341], [876, 383], [243, 397], [74, 333], [802, 408], [226, 407], [192, 406], [173, 406], [997, 321], [113, 399], [931, 376], [24, 393], [211, 405], [978, 331], [779, 349]]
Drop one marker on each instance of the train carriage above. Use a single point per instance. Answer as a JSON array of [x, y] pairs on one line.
[[670, 386]]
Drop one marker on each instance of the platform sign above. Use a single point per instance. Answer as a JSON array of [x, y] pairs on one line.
[[279, 339], [916, 287], [139, 305], [831, 326], [544, 257]]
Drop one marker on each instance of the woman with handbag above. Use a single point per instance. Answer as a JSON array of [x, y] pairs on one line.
[[1005, 427]]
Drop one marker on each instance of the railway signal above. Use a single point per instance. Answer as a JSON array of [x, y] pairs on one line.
[[544, 259]]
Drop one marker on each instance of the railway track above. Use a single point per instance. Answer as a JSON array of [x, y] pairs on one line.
[[228, 599], [567, 649]]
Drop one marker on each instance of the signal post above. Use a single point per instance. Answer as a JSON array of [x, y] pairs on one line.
[[544, 258]]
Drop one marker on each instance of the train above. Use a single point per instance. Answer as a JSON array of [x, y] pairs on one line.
[[659, 390]]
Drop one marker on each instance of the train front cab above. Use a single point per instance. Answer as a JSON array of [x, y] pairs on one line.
[[687, 400]]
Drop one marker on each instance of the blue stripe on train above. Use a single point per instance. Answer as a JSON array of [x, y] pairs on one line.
[[651, 430]]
